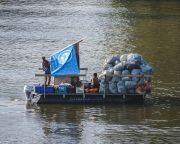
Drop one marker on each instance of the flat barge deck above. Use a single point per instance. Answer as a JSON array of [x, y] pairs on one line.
[[53, 98]]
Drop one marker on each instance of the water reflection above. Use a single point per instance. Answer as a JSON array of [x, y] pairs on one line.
[[30, 29], [106, 123], [61, 123]]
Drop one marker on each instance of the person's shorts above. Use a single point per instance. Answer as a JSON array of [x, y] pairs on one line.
[[47, 71]]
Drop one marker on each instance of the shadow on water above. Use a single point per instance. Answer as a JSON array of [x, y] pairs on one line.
[[107, 113], [99, 122]]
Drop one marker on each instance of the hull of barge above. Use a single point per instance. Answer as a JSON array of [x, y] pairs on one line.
[[87, 98]]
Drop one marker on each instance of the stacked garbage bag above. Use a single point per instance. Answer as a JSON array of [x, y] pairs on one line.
[[126, 74]]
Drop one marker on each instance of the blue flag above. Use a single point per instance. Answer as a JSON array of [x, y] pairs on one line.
[[64, 62]]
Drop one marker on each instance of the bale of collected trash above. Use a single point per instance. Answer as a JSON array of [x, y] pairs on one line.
[[113, 60], [136, 72], [121, 87], [103, 88], [125, 74]]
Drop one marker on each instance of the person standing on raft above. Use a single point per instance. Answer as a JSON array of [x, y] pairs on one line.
[[46, 69]]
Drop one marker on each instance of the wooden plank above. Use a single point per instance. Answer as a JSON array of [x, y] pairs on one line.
[[42, 75], [80, 69], [83, 68], [39, 75], [135, 75]]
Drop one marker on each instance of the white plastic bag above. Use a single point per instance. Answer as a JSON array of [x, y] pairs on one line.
[[135, 72], [130, 84], [119, 67], [113, 87], [123, 58], [121, 88]]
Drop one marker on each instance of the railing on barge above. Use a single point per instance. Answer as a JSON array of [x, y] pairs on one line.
[[54, 98]]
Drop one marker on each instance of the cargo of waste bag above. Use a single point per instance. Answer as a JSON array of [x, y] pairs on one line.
[[103, 87], [127, 73], [121, 87], [135, 72], [112, 87], [113, 60], [130, 84]]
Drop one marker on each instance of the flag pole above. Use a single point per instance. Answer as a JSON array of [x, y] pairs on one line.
[[77, 42], [77, 51]]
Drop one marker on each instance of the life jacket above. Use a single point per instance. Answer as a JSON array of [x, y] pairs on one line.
[[92, 90], [143, 88]]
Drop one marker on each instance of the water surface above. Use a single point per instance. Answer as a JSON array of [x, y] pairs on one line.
[[32, 29]]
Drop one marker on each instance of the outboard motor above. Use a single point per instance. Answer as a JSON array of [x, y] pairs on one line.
[[28, 90]]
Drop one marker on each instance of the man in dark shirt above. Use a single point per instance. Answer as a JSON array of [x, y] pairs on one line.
[[46, 69]]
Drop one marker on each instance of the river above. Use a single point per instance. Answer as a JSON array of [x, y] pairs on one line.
[[30, 29]]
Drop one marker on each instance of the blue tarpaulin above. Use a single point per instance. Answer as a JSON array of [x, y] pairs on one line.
[[64, 62]]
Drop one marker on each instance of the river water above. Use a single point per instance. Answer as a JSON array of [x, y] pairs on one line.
[[30, 29]]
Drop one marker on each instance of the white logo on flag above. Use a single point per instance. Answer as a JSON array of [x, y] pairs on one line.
[[63, 56]]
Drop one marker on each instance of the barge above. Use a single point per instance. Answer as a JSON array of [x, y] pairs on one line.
[[65, 66], [53, 98]]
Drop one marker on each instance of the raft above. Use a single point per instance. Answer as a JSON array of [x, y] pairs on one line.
[[65, 68], [55, 98]]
